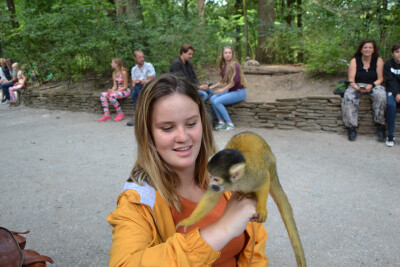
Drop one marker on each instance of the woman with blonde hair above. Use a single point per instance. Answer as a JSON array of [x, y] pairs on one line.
[[174, 141], [119, 90], [231, 89]]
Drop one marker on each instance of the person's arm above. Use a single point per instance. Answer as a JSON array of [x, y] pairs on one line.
[[150, 75], [2, 76], [352, 75], [125, 81], [379, 71], [231, 224], [134, 77], [215, 85], [133, 237], [23, 78], [13, 79], [114, 88], [391, 82]]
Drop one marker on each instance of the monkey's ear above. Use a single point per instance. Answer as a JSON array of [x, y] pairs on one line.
[[236, 171]]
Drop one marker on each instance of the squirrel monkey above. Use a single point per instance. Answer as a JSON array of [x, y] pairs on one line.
[[248, 166]]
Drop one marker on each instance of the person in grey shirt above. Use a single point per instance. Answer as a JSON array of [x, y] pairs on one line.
[[142, 73]]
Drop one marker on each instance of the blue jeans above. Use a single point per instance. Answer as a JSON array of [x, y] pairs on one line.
[[391, 112], [4, 88], [205, 95], [226, 98], [135, 93]]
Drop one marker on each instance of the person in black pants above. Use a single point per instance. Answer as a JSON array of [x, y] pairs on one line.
[[11, 76]]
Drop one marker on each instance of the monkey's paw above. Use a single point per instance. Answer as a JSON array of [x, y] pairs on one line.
[[260, 217], [185, 223]]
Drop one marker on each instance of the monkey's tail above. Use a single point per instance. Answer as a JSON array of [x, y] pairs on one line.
[[286, 212]]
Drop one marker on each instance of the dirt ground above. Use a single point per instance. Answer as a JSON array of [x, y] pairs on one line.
[[269, 87], [61, 174]]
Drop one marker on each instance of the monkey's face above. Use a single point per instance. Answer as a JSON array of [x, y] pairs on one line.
[[216, 183]]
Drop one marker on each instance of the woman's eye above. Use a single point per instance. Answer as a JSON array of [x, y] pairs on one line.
[[191, 124], [166, 129]]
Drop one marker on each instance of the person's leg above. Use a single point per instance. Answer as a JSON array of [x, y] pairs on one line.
[[5, 88], [350, 104], [391, 113], [114, 100], [12, 91], [228, 98], [203, 95], [210, 93], [104, 104], [378, 98], [213, 104]]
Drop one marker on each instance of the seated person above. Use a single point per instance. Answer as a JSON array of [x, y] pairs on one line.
[[231, 88], [366, 77], [3, 77], [119, 90], [141, 74], [11, 76], [182, 65], [392, 75], [18, 85], [168, 179]]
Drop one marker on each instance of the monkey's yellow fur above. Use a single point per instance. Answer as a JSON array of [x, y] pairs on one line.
[[258, 178]]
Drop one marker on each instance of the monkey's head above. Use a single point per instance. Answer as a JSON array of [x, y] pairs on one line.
[[225, 168]]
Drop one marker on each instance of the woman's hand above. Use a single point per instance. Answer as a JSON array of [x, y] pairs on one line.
[[368, 88], [231, 224]]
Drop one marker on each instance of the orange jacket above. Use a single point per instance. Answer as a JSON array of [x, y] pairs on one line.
[[144, 235]]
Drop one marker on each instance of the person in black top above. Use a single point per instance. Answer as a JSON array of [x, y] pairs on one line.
[[182, 65], [366, 77], [392, 75]]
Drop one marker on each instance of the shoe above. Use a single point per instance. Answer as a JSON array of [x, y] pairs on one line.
[[219, 126], [390, 141], [104, 118], [381, 132], [5, 102], [228, 127], [130, 123], [119, 117], [13, 104], [352, 134]]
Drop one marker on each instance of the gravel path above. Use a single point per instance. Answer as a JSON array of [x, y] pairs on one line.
[[62, 171]]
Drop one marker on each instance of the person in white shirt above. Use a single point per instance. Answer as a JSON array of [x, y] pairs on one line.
[[142, 73]]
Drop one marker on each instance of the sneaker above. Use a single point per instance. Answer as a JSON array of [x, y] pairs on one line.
[[119, 117], [381, 132], [5, 102], [390, 141], [352, 134], [228, 127], [104, 118], [130, 123], [219, 126]]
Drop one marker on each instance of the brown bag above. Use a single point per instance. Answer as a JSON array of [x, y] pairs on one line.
[[12, 252]]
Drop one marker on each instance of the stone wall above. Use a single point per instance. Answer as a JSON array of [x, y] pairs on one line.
[[311, 113]]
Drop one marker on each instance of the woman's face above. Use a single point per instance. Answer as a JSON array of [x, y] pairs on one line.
[[177, 130], [227, 54], [367, 49], [113, 65]]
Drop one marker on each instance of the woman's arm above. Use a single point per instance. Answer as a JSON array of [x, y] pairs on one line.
[[125, 81], [379, 71], [225, 88], [231, 224], [114, 88], [215, 85], [134, 235], [23, 78], [352, 74]]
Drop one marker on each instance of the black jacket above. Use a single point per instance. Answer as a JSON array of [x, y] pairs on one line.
[[392, 76], [186, 69]]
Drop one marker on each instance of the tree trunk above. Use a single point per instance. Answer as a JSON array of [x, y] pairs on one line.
[[246, 35], [266, 21], [299, 25], [134, 10], [289, 16], [201, 10], [238, 47], [185, 8], [11, 8], [120, 6]]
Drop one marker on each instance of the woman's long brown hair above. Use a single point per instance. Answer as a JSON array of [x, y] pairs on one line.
[[149, 166]]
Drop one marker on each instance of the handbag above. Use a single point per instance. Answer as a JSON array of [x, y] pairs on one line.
[[341, 87]]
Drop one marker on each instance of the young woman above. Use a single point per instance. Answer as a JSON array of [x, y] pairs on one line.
[[366, 77], [169, 178], [231, 88], [18, 85], [119, 90]]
